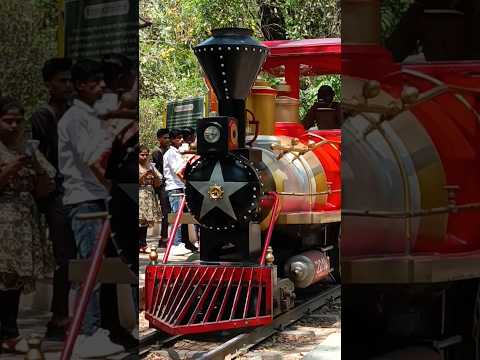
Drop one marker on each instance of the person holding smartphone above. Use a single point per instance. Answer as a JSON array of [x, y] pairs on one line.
[[25, 176]]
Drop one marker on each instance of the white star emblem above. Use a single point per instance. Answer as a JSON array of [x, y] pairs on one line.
[[229, 188]]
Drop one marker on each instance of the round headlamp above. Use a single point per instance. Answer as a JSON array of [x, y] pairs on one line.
[[211, 134]]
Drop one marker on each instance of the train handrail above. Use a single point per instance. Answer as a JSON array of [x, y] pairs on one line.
[[255, 122], [275, 212], [174, 228], [87, 287]]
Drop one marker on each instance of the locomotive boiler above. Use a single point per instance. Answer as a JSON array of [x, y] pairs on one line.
[[268, 207], [411, 215]]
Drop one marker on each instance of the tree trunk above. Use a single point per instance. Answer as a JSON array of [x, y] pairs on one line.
[[271, 20]]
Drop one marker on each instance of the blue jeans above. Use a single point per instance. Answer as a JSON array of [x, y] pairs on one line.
[[85, 233], [175, 205]]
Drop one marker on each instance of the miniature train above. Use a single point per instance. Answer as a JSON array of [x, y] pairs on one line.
[[410, 235], [268, 206]]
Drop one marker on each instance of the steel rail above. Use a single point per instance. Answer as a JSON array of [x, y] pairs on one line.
[[154, 339], [240, 344]]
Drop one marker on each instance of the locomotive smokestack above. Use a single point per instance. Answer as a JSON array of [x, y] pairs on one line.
[[231, 59]]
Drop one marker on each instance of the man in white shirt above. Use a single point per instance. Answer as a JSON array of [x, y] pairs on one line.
[[173, 167], [82, 137]]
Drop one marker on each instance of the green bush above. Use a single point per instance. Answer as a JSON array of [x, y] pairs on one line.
[[28, 37], [169, 70]]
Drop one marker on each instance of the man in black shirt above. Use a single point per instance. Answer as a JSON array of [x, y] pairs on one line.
[[325, 113], [57, 78], [157, 157]]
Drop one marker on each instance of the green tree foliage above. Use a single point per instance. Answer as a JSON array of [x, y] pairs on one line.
[[312, 19], [390, 10], [27, 39], [168, 68]]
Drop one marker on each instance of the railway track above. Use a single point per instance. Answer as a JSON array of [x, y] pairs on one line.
[[154, 339], [228, 345]]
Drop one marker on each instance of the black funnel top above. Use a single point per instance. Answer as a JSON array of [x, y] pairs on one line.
[[231, 59]]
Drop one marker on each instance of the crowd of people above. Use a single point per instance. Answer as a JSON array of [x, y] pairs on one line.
[[83, 151], [162, 185]]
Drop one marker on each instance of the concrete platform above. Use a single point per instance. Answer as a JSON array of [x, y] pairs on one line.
[[35, 313], [30, 323], [34, 323], [329, 349]]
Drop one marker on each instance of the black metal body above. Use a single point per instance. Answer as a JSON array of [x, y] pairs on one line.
[[236, 109], [228, 141], [231, 59]]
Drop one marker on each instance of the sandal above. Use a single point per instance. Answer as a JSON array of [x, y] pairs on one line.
[[17, 345]]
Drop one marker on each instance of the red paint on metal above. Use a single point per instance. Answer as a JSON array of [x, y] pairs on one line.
[[214, 298], [194, 298], [247, 301], [259, 297], [224, 304], [237, 296], [453, 126], [174, 229], [289, 129], [292, 78], [329, 155], [452, 122], [87, 288], [190, 301], [293, 59], [202, 299], [275, 212]]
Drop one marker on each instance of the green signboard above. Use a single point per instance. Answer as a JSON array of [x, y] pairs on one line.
[[97, 27], [185, 113]]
